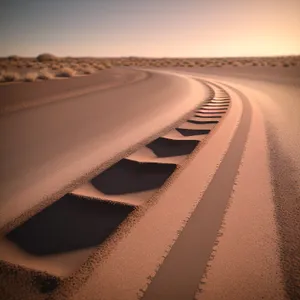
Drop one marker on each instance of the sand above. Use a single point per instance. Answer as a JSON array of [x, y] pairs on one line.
[[173, 207], [278, 100], [61, 265], [145, 154], [164, 152], [185, 264], [18, 96], [49, 250], [53, 156], [132, 199], [245, 262], [175, 135], [189, 125], [59, 238], [46, 243]]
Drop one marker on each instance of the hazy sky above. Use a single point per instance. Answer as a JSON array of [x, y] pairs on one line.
[[198, 28]]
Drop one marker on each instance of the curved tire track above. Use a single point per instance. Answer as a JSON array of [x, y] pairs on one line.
[[25, 231], [185, 265]]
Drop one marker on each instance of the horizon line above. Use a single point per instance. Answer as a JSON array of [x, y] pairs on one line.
[[154, 57]]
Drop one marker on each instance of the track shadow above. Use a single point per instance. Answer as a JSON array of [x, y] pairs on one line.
[[207, 117], [71, 223], [163, 147], [202, 122], [214, 105], [128, 176], [213, 108], [189, 132]]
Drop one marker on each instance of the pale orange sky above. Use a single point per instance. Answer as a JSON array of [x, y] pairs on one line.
[[197, 28]]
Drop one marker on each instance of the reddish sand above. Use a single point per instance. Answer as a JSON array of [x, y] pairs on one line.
[[134, 199], [64, 264], [20, 95], [144, 154], [175, 135], [174, 206], [245, 263], [59, 265], [53, 157], [249, 269]]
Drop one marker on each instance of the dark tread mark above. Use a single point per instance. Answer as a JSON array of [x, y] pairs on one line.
[[202, 122], [71, 223], [190, 132], [128, 176], [163, 147], [207, 117]]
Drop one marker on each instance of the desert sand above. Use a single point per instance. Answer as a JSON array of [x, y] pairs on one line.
[[57, 164], [138, 195], [245, 262], [103, 190], [171, 211]]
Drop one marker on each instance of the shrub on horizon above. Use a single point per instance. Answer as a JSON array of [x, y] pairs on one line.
[[13, 58], [46, 57]]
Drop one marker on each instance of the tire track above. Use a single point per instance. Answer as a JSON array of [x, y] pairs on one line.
[[183, 268], [102, 196]]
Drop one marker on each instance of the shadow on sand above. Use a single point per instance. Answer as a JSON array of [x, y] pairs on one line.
[[71, 223], [163, 147], [202, 122], [190, 132], [128, 176]]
